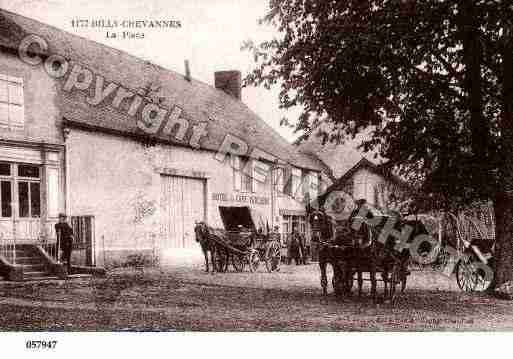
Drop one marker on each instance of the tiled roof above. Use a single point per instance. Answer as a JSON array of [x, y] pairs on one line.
[[339, 158], [364, 163], [200, 102]]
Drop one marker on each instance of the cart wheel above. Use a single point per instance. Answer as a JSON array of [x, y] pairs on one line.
[[238, 262], [254, 261], [466, 274], [221, 260], [470, 277], [273, 258]]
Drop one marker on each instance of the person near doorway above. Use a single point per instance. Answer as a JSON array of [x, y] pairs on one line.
[[64, 234], [295, 247], [303, 248]]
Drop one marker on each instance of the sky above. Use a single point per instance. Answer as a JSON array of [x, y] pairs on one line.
[[210, 37]]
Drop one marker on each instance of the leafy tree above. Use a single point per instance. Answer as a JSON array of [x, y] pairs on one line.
[[431, 80]]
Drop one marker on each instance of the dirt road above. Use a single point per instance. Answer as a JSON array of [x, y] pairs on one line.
[[186, 298]]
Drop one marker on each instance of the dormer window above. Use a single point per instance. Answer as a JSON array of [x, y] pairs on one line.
[[243, 175], [12, 115]]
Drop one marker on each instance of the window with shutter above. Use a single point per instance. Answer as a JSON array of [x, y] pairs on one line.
[[236, 165], [279, 180], [247, 176], [296, 183], [11, 102]]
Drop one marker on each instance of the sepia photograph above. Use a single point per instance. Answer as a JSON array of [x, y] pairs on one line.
[[255, 166]]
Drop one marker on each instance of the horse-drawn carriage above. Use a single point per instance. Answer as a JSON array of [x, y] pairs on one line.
[[466, 245], [244, 241], [462, 244]]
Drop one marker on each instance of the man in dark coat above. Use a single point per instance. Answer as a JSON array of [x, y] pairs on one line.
[[302, 247], [64, 234], [295, 247]]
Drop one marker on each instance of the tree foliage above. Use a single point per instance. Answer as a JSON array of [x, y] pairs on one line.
[[424, 77]]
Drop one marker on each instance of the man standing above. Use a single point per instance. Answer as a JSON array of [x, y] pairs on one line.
[[303, 247], [64, 240], [295, 247]]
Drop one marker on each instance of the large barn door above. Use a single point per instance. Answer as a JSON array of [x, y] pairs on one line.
[[182, 204]]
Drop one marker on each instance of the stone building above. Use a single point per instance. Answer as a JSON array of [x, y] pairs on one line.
[[133, 152]]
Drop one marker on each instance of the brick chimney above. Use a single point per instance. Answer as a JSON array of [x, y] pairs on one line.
[[230, 82]]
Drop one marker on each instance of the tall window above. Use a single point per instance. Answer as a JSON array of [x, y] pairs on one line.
[[376, 196], [279, 180], [11, 102], [297, 190], [243, 175], [313, 185], [5, 190], [236, 173], [261, 176], [247, 177], [29, 192], [20, 184]]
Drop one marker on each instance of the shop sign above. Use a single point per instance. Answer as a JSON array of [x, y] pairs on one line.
[[240, 197]]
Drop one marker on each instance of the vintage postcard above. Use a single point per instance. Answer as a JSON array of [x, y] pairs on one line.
[[255, 166]]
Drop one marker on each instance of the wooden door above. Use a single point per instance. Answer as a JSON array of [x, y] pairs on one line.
[[182, 204]]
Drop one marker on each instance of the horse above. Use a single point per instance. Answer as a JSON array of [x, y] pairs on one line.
[[322, 231], [369, 254], [333, 253], [373, 253], [207, 245], [342, 252]]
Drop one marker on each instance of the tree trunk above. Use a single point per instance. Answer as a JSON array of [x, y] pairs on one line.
[[479, 125], [503, 206]]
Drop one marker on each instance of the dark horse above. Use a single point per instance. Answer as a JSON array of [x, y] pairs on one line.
[[343, 253], [207, 245], [330, 252], [387, 254]]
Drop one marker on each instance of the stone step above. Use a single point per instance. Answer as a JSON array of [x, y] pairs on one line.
[[40, 267], [52, 277], [19, 253], [35, 274], [25, 260], [40, 278]]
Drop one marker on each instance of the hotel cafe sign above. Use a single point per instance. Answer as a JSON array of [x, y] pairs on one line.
[[241, 198]]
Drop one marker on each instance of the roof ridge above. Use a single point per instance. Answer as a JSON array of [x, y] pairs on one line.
[[228, 103], [231, 98]]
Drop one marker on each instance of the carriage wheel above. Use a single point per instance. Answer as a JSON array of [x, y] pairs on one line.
[[273, 257], [466, 275], [238, 262], [471, 278], [254, 261], [442, 259], [221, 260]]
